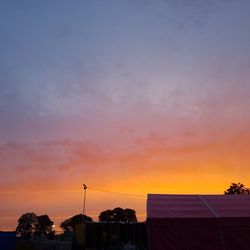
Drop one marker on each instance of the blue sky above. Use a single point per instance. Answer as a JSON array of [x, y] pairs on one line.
[[63, 60]]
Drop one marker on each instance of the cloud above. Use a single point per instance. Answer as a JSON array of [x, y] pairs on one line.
[[71, 156], [51, 155], [34, 164], [48, 162]]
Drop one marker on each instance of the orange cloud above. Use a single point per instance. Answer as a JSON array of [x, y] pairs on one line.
[[49, 175]]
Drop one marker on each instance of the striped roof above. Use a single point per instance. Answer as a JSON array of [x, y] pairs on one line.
[[197, 206]]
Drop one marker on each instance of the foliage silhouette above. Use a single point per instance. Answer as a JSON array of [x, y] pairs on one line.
[[44, 226], [118, 214], [69, 224], [237, 188], [26, 225], [29, 224]]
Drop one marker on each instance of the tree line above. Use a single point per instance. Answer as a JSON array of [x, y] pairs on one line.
[[30, 224]]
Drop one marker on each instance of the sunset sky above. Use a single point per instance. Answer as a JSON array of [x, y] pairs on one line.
[[129, 96]]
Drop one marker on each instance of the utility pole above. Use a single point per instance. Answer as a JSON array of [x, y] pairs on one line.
[[84, 198], [83, 226]]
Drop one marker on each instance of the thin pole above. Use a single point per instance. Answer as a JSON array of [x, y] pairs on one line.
[[83, 216], [84, 198]]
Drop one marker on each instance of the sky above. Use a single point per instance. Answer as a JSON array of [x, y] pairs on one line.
[[128, 96]]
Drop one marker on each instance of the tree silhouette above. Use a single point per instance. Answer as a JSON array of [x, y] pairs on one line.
[[118, 214], [237, 188], [44, 226], [30, 224], [26, 225], [69, 224]]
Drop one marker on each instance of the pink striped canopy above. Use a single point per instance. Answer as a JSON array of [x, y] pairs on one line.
[[198, 222], [197, 206]]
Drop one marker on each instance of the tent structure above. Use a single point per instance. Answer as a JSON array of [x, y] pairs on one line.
[[198, 222]]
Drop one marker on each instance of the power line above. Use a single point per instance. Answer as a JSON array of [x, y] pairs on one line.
[[117, 193]]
